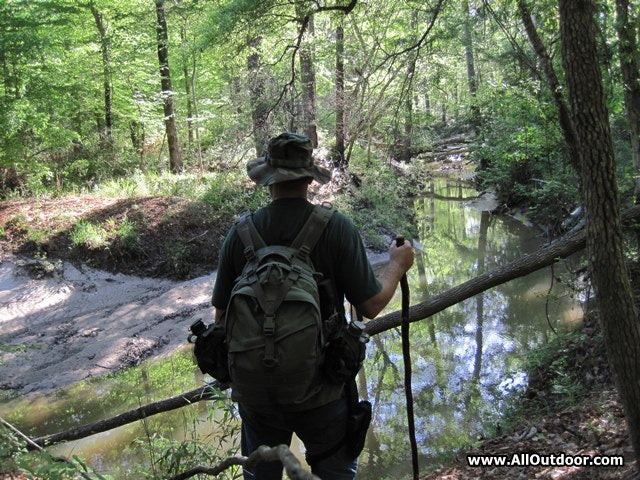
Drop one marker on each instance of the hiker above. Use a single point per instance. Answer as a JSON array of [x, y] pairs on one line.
[[320, 421]]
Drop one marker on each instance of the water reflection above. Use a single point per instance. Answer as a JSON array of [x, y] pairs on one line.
[[467, 360]]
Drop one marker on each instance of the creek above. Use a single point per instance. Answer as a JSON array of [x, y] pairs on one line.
[[468, 361]]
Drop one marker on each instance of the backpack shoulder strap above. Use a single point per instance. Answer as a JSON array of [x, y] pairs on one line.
[[249, 236], [312, 229]]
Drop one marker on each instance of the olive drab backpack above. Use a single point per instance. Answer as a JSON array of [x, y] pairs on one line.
[[273, 321]]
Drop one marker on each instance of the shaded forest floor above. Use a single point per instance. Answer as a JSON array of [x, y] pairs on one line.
[[179, 236]]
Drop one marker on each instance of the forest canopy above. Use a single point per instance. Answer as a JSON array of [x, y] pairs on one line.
[[86, 87]]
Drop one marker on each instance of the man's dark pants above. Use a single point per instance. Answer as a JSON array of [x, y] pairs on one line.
[[320, 429]]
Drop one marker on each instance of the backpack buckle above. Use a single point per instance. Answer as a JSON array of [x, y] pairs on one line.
[[249, 254], [268, 329], [269, 325], [304, 252]]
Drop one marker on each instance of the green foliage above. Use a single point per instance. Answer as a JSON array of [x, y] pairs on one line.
[[374, 205], [52, 114], [14, 457], [228, 192], [521, 155], [10, 449], [89, 235], [556, 378], [18, 226], [232, 194], [123, 235], [179, 258], [128, 235]]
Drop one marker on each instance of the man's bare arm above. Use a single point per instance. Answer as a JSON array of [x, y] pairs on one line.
[[400, 260]]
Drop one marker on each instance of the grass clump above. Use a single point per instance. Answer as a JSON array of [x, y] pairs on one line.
[[88, 235]]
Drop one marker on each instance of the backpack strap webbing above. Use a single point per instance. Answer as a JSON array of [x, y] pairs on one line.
[[312, 229], [249, 236]]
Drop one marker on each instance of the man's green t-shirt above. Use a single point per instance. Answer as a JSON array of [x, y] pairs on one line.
[[339, 254]]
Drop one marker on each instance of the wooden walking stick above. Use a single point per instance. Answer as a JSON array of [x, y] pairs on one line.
[[406, 356]]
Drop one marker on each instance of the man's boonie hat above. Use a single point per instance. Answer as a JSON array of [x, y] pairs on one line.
[[288, 157]]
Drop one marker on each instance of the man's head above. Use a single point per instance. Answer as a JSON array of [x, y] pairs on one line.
[[288, 158]]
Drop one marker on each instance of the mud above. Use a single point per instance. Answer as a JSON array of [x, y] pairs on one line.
[[61, 323]]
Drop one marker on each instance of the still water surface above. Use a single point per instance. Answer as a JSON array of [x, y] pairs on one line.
[[467, 360]]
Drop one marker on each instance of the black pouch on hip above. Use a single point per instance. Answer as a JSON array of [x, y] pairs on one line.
[[358, 421], [357, 427], [210, 350]]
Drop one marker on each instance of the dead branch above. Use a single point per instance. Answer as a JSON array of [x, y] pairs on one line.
[[281, 453], [440, 154]]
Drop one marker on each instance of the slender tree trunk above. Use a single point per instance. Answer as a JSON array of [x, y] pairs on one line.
[[308, 80], [631, 78], [600, 194], [196, 114], [471, 67], [175, 156], [259, 113], [564, 115], [339, 152], [5, 72], [485, 219], [408, 99], [106, 132], [187, 90], [136, 132]]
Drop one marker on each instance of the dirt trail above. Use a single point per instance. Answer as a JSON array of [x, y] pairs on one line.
[[82, 322]]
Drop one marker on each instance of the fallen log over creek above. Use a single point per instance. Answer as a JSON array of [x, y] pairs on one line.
[[545, 256]]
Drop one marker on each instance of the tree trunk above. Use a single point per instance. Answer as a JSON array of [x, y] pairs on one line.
[[137, 134], [175, 156], [196, 114], [471, 67], [5, 73], [408, 99], [339, 158], [628, 52], [259, 112], [600, 195], [187, 91], [106, 132], [308, 81]]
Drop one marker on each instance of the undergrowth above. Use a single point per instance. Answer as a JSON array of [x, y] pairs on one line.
[[561, 374]]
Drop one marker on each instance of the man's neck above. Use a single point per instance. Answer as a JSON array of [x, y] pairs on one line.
[[276, 191]]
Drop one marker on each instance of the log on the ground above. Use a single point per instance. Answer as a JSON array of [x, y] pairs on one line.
[[442, 154], [530, 263], [541, 258], [462, 138]]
